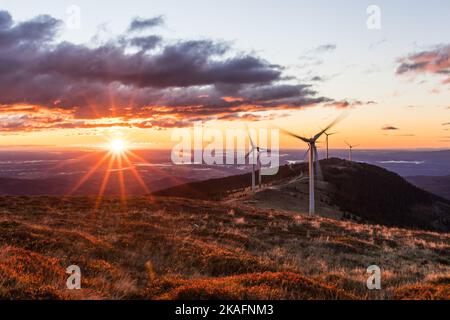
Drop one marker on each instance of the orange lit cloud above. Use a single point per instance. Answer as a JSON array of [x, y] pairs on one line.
[[136, 81], [344, 104], [436, 61]]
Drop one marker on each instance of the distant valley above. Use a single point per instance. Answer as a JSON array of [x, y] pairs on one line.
[[439, 185]]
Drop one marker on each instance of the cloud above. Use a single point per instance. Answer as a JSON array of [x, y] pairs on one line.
[[377, 43], [142, 81], [325, 48], [344, 104], [139, 24], [389, 127], [311, 57], [27, 118], [372, 69], [446, 124], [5, 20], [436, 61], [145, 43], [412, 107]]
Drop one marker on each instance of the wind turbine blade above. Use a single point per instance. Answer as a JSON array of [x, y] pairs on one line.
[[294, 135], [332, 124], [348, 144], [249, 153], [306, 153], [317, 165], [250, 136]]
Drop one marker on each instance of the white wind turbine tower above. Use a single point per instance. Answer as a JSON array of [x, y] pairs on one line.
[[313, 157], [327, 135], [350, 150], [258, 150]]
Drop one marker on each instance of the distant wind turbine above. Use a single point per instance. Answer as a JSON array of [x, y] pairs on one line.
[[255, 149], [327, 135], [314, 157], [350, 150]]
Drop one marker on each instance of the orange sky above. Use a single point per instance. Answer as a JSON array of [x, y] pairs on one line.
[[393, 82], [417, 129]]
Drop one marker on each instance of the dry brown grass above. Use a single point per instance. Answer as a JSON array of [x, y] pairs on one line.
[[181, 249], [255, 286]]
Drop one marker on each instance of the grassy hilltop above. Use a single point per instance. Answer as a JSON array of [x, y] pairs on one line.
[[170, 248]]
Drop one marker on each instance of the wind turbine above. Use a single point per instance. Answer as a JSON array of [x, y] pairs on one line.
[[313, 157], [258, 150], [327, 135], [350, 150]]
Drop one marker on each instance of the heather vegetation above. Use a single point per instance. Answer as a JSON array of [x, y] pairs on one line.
[[170, 248]]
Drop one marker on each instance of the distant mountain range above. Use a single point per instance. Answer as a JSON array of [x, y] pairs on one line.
[[349, 190], [59, 186], [439, 185]]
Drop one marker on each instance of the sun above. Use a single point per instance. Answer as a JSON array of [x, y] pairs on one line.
[[117, 146], [119, 159]]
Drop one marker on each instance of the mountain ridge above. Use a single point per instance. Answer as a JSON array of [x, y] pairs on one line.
[[352, 189]]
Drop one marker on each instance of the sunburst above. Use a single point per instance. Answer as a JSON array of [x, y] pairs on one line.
[[118, 146], [117, 154]]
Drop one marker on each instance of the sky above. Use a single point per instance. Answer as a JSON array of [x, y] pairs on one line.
[[92, 70]]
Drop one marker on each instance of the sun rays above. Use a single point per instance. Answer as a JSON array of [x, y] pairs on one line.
[[115, 169], [117, 158]]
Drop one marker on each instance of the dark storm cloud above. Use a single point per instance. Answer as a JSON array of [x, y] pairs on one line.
[[184, 64], [140, 24], [141, 77], [5, 20], [38, 30], [145, 43], [436, 61]]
